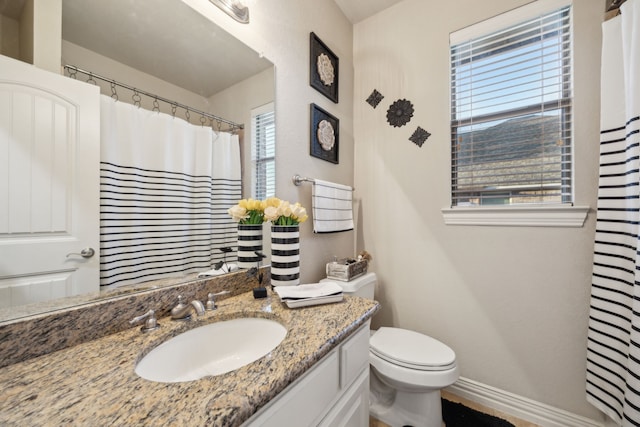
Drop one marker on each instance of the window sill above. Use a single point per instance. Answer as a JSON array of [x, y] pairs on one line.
[[538, 216]]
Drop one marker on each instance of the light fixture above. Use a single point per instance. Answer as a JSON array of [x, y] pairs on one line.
[[234, 9]]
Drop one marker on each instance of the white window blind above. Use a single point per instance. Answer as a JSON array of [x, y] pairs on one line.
[[511, 111], [263, 151]]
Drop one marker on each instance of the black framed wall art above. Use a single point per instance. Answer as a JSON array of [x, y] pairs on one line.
[[324, 135], [323, 68]]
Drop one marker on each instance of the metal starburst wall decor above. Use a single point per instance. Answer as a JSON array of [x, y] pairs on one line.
[[400, 113]]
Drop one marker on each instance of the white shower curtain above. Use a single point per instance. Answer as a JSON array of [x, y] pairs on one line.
[[165, 187], [613, 349]]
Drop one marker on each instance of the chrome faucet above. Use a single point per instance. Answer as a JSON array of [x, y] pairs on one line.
[[211, 303], [150, 321], [182, 311]]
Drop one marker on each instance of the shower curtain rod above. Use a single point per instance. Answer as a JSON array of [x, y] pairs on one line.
[[72, 69]]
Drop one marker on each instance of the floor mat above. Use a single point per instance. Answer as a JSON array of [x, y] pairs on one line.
[[458, 415]]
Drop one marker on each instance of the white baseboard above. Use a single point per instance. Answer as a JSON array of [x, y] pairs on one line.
[[518, 406]]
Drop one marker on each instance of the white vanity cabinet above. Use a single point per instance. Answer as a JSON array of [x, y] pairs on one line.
[[333, 393]]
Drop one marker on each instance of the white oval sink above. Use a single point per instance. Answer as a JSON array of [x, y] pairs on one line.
[[211, 349]]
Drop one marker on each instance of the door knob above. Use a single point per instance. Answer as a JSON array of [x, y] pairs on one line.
[[84, 253]]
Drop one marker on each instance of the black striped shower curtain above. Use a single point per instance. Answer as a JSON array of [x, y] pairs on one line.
[[165, 187], [613, 348]]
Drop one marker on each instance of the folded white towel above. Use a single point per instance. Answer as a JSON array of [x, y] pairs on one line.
[[226, 268], [311, 290], [332, 206]]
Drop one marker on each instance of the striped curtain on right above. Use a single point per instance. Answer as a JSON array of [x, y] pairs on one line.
[[613, 348]]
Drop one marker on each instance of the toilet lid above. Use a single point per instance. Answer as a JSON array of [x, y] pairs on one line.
[[411, 350]]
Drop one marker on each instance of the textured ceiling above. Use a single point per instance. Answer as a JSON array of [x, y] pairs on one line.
[[164, 38]]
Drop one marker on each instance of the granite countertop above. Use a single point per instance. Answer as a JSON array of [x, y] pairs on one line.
[[94, 383]]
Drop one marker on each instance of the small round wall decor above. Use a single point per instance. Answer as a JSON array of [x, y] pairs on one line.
[[400, 113], [325, 69], [326, 135]]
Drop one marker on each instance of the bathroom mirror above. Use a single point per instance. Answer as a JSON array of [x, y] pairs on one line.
[[159, 38]]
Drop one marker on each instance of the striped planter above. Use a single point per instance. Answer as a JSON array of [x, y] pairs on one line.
[[285, 255], [249, 241]]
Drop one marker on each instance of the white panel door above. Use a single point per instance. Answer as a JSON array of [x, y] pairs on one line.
[[49, 184]]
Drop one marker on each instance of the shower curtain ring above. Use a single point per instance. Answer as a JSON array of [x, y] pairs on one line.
[[136, 97], [114, 93]]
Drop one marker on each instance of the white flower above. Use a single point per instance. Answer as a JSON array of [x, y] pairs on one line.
[[284, 209], [298, 211], [238, 213], [281, 212], [271, 213]]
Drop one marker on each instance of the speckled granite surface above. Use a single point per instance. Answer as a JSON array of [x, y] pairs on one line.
[[94, 383], [53, 330]]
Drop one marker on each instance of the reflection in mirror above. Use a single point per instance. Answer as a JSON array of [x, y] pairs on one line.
[[194, 63]]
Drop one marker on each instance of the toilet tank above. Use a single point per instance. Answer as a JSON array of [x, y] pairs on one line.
[[363, 286]]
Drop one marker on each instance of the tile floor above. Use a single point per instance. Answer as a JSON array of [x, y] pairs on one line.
[[453, 398]]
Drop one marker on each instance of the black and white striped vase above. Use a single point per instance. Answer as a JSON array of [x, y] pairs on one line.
[[249, 241], [285, 255]]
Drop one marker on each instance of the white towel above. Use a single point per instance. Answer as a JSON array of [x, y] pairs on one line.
[[332, 207], [226, 268], [310, 290]]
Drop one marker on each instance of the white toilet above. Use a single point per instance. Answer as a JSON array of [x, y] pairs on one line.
[[408, 369]]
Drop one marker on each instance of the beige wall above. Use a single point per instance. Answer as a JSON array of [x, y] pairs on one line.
[[35, 36], [47, 34], [85, 59], [9, 37], [511, 301], [235, 103], [40, 30], [279, 30]]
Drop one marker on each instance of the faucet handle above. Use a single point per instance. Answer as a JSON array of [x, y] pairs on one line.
[[211, 303], [150, 323]]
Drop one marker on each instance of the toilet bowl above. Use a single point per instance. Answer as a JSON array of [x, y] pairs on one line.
[[408, 369]]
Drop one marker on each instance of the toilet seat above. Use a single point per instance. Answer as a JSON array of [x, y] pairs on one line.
[[412, 350]]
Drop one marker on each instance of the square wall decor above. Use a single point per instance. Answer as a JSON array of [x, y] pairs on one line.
[[323, 69], [324, 135]]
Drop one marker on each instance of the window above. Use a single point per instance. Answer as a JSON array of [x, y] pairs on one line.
[[263, 149], [511, 109]]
